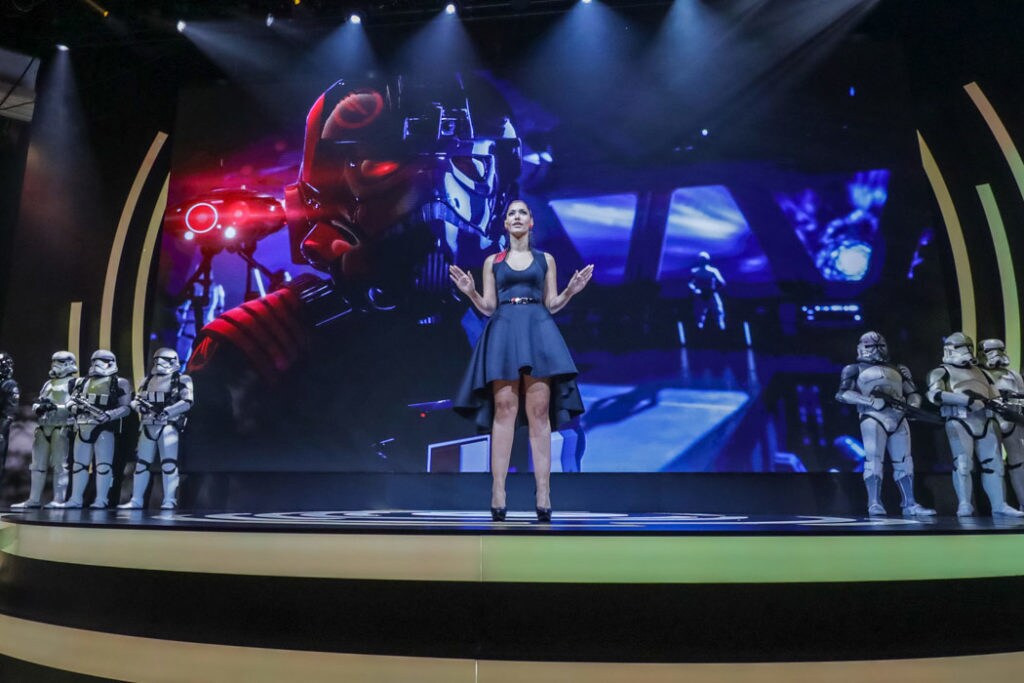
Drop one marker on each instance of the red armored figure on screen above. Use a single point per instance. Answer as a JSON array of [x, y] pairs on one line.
[[399, 179]]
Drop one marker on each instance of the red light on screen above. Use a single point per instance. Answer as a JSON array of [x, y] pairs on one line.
[[201, 217]]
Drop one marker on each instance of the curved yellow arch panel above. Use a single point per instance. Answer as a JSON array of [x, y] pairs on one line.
[[117, 249], [142, 284], [961, 259]]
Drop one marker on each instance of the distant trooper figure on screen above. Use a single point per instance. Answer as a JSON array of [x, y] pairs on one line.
[[1011, 388], [99, 402], [163, 400], [878, 388], [705, 281], [966, 396], [9, 397], [52, 439]]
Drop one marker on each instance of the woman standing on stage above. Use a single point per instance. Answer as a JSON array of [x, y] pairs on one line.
[[520, 355]]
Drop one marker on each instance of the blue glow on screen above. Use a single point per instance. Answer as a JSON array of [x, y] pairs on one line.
[[838, 222], [599, 228], [708, 219]]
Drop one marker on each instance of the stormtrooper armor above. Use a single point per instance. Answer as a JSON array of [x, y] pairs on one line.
[[970, 426], [98, 402], [1011, 387], [705, 281], [871, 384], [52, 439], [163, 399], [9, 397]]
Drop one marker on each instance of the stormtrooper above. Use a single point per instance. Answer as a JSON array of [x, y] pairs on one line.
[[705, 281], [965, 393], [98, 402], [9, 397], [883, 392], [1011, 387], [52, 439], [163, 399]]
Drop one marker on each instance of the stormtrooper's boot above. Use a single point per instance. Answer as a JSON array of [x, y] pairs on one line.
[[874, 486], [35, 490], [1016, 476], [964, 487], [79, 480], [909, 505], [104, 478], [995, 489], [170, 481], [139, 484], [60, 486]]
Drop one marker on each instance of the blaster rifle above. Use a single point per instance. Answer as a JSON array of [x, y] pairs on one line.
[[997, 406], [150, 409], [911, 411], [93, 411], [46, 405]]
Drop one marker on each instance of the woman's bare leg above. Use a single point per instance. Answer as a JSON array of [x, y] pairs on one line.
[[538, 402], [506, 405]]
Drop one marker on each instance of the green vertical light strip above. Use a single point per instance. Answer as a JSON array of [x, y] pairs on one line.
[[1007, 279], [961, 260], [1007, 273]]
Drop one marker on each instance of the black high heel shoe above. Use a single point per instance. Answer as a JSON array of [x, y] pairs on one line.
[[498, 514], [543, 514]]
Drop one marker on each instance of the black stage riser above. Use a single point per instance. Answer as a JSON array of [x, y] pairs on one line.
[[725, 493], [519, 621]]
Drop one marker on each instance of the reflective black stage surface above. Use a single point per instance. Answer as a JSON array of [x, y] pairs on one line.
[[479, 522]]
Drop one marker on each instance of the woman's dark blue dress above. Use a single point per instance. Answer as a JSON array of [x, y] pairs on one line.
[[519, 338]]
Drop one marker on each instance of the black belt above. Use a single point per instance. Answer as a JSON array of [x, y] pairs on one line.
[[517, 300]]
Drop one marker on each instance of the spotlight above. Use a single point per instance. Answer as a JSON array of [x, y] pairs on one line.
[[181, 26], [95, 7], [585, 2], [297, 2], [270, 20], [704, 132], [450, 8], [355, 18], [62, 47]]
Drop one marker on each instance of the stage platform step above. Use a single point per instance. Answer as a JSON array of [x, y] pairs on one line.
[[450, 596]]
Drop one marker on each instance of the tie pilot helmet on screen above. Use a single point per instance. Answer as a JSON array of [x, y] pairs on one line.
[[393, 169]]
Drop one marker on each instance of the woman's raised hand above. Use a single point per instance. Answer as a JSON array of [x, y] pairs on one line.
[[580, 279], [462, 279]]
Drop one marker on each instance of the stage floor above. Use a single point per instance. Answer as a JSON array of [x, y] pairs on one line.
[[479, 522]]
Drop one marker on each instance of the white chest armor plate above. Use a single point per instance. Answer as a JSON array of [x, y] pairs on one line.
[[1007, 380], [962, 380], [158, 390], [57, 390], [880, 379]]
